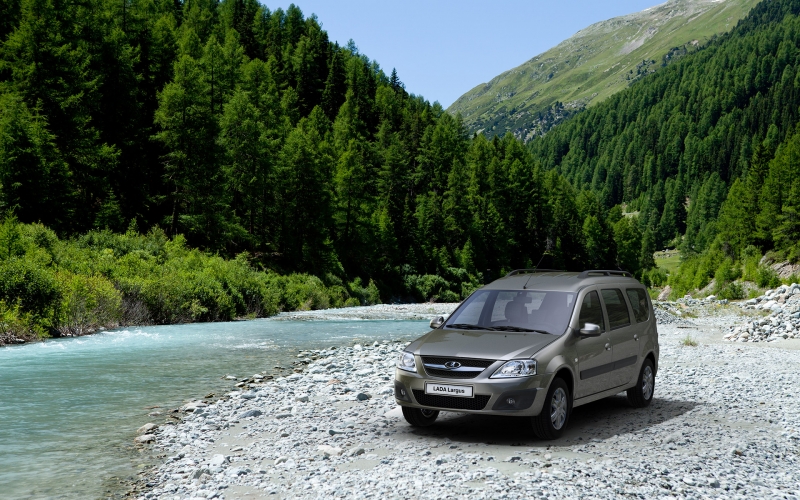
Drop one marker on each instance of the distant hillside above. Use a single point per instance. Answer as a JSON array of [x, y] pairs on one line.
[[593, 64]]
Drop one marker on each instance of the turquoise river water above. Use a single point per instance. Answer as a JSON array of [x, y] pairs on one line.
[[69, 408]]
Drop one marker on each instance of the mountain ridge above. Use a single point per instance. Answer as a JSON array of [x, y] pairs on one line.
[[593, 64]]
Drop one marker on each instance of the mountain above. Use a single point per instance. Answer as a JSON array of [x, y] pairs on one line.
[[706, 151], [593, 64]]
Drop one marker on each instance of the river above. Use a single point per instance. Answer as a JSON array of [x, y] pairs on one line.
[[69, 408]]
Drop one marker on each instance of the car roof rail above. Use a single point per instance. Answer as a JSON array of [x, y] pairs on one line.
[[526, 271], [604, 272]]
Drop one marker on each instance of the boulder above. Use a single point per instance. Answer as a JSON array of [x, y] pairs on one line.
[[146, 428]]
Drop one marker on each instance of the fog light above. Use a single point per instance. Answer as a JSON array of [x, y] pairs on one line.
[[402, 392], [511, 401]]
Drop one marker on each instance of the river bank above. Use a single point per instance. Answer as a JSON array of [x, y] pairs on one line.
[[725, 423]]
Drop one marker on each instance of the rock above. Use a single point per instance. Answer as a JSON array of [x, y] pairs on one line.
[[146, 428], [363, 397], [230, 377], [199, 472], [301, 399], [218, 460], [711, 297], [280, 460], [329, 451], [251, 413], [190, 407], [146, 438], [249, 395], [664, 295], [689, 480], [713, 483], [333, 432], [355, 451], [283, 415]]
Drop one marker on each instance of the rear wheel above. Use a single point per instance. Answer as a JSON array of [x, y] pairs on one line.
[[419, 417], [552, 421], [641, 394]]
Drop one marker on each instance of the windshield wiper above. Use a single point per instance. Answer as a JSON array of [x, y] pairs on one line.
[[519, 329], [467, 326]]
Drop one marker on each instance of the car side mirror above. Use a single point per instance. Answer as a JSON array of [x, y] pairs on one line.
[[591, 330], [437, 322]]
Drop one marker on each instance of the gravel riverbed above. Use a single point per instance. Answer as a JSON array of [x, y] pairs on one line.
[[725, 423]]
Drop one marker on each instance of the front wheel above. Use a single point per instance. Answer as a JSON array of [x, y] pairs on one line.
[[552, 421], [641, 394], [419, 417]]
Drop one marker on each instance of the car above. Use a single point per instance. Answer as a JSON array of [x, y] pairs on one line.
[[535, 344]]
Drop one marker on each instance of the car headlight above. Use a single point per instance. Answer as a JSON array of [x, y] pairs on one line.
[[516, 368], [406, 362]]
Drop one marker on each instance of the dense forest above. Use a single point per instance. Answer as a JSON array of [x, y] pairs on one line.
[[133, 131], [705, 150], [249, 133]]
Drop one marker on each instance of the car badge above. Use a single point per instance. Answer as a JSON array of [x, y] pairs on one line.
[[452, 365]]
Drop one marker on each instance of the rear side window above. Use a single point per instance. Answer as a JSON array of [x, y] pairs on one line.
[[638, 300], [591, 311], [616, 308]]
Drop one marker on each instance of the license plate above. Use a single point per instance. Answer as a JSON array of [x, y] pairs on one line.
[[459, 391]]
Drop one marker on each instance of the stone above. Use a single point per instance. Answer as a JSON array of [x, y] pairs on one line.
[[280, 460], [249, 395], [218, 460], [146, 438], [664, 295], [329, 451], [355, 451], [230, 377], [190, 407], [333, 432], [301, 399], [146, 428], [199, 472], [689, 480], [363, 396], [251, 413]]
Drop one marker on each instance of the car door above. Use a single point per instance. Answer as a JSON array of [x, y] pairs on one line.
[[595, 355], [623, 336]]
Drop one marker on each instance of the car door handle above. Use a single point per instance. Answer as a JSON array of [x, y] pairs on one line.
[[608, 347], [635, 337]]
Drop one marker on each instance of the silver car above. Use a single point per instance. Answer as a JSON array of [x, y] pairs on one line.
[[535, 344]]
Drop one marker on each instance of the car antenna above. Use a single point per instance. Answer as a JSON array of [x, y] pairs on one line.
[[525, 286]]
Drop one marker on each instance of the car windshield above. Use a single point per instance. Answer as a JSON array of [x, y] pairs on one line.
[[514, 310]]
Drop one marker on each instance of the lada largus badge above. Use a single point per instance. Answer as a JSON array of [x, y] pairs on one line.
[[452, 365]]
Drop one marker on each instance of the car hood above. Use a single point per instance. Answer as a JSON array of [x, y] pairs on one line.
[[480, 344]]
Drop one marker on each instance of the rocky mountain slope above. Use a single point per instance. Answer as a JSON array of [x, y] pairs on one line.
[[593, 64]]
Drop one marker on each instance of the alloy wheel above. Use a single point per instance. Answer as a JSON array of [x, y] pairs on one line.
[[647, 382], [558, 408]]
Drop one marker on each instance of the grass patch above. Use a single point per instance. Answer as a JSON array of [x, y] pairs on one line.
[[669, 260], [688, 341]]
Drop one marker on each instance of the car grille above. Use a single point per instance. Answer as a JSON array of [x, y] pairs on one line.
[[476, 403], [465, 362]]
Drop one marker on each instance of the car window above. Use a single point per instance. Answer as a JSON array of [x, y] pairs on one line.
[[543, 311], [616, 308], [471, 312], [591, 312], [638, 299]]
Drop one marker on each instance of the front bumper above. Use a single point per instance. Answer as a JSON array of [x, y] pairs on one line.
[[491, 396]]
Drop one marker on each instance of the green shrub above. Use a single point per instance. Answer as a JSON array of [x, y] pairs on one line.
[[30, 287], [87, 303], [767, 278], [17, 325]]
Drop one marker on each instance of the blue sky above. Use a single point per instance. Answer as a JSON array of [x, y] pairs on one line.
[[443, 48]]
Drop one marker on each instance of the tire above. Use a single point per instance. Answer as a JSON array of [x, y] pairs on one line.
[[419, 417], [553, 419], [641, 394]]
